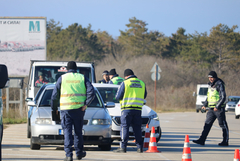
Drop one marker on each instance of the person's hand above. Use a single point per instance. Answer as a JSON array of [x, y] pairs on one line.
[[203, 107], [57, 112], [215, 109], [84, 107]]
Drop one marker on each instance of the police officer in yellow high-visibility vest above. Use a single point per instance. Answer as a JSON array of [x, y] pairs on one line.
[[216, 102], [74, 92], [131, 94], [114, 77]]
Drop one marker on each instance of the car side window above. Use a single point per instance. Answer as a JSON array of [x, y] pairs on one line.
[[46, 99]]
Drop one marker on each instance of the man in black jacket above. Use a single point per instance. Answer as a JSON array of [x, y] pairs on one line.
[[216, 102]]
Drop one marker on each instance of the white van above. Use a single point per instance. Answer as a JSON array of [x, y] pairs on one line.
[[51, 71], [201, 95]]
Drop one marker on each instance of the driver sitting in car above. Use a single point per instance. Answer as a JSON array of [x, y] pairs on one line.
[[41, 80]]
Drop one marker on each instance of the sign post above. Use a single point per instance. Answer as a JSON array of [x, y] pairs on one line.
[[155, 76]]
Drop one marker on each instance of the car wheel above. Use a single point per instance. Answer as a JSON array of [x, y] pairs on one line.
[[237, 117], [160, 134], [34, 146], [197, 111], [28, 130], [106, 147]]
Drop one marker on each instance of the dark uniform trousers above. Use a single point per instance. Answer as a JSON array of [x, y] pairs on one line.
[[211, 117], [70, 119], [131, 118]]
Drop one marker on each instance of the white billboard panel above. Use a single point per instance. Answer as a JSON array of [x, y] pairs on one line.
[[22, 39]]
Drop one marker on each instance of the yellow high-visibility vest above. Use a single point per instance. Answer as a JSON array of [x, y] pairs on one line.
[[133, 95], [73, 91], [117, 80]]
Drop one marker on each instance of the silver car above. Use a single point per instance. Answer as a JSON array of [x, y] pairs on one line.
[[149, 116], [231, 103], [42, 130]]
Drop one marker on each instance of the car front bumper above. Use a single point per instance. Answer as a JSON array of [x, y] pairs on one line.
[[230, 108], [152, 123], [50, 134]]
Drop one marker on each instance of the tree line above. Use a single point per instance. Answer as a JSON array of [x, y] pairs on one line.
[[218, 50]]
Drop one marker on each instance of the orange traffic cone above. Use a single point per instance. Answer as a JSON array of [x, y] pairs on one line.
[[236, 155], [152, 145], [146, 137], [186, 150]]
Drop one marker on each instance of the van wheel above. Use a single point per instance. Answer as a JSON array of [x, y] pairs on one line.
[[237, 117], [197, 111], [34, 146], [106, 147]]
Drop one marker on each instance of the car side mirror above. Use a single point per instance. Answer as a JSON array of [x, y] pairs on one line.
[[109, 104], [31, 103], [194, 94], [144, 102], [28, 99]]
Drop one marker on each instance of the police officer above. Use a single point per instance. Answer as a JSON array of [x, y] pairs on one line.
[[216, 102], [75, 92], [105, 77], [114, 77], [131, 94]]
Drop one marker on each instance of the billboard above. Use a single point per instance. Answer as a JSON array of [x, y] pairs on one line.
[[22, 39]]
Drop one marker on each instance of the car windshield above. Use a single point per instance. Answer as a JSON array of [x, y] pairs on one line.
[[203, 91], [108, 94], [46, 100], [233, 99], [50, 74]]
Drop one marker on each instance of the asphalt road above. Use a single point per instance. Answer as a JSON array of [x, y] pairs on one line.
[[16, 145]]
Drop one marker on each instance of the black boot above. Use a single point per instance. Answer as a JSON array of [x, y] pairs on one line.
[[199, 142], [223, 143], [82, 156]]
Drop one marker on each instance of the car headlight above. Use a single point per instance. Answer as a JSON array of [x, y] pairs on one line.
[[101, 122], [154, 117], [43, 121]]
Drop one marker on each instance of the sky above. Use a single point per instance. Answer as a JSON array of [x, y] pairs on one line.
[[165, 16]]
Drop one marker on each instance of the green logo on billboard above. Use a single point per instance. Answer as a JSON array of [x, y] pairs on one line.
[[34, 27]]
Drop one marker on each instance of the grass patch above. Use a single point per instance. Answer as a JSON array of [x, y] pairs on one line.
[[14, 120]]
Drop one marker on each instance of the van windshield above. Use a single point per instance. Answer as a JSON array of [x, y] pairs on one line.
[[50, 74], [203, 91]]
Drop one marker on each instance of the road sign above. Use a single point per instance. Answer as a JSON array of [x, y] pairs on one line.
[[155, 75], [155, 69]]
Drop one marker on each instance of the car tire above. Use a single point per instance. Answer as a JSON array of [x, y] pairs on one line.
[[197, 111], [160, 134], [34, 146], [28, 130], [237, 117], [106, 147]]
